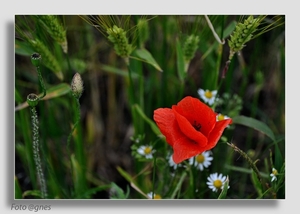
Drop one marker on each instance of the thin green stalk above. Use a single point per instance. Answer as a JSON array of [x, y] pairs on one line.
[[77, 89], [248, 159], [177, 188], [36, 152], [153, 176], [77, 120]]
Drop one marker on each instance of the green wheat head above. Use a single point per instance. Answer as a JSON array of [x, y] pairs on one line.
[[118, 37], [190, 46], [242, 34], [55, 29]]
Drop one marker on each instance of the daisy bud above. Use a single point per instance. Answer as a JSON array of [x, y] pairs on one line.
[[77, 86]]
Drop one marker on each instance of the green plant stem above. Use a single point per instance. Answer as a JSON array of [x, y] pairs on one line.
[[71, 133], [36, 151], [179, 184], [248, 159], [41, 81], [153, 176]]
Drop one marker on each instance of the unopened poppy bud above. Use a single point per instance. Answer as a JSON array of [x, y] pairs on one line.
[[32, 100], [36, 59], [77, 86]]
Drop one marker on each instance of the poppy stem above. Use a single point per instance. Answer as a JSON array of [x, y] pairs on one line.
[[153, 176], [179, 184]]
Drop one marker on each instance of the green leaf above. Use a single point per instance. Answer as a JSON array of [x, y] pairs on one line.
[[23, 48], [78, 179], [153, 126], [131, 181], [125, 175], [147, 57], [255, 124], [117, 192], [114, 70], [229, 29], [223, 193], [180, 61], [53, 92], [35, 193]]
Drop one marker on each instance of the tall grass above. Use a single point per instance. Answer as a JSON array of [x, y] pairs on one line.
[[98, 157]]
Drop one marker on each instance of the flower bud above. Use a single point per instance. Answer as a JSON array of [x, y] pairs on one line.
[[77, 86]]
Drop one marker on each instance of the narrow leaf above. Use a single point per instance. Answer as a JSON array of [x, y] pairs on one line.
[[150, 122], [35, 193], [255, 124], [223, 194], [18, 191], [147, 57], [53, 92], [114, 70], [180, 61]]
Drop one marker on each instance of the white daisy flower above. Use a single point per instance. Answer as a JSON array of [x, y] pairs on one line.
[[146, 151], [220, 117], [172, 163], [152, 195], [207, 95], [202, 160], [273, 175], [216, 182]]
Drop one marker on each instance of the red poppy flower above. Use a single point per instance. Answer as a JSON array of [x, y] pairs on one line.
[[190, 127]]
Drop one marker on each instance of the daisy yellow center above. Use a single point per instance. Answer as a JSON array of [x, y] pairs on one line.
[[147, 150], [200, 158], [218, 184], [221, 117], [275, 172], [156, 196], [208, 94]]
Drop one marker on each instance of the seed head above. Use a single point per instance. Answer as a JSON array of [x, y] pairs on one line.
[[36, 59], [77, 86]]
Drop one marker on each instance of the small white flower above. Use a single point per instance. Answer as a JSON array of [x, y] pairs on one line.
[[146, 151], [172, 163], [202, 160], [216, 182], [153, 195], [273, 175], [207, 95], [220, 117]]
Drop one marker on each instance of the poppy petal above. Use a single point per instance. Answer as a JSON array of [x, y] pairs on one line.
[[196, 111], [189, 131], [185, 148], [217, 132], [166, 122]]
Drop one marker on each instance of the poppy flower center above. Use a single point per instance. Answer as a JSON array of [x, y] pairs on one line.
[[208, 94], [218, 184], [197, 126], [220, 117], [200, 158], [147, 150]]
